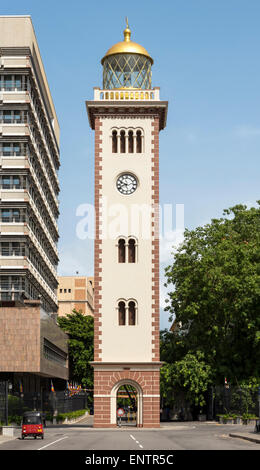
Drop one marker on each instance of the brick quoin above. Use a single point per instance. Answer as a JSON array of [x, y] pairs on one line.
[[97, 244], [155, 243]]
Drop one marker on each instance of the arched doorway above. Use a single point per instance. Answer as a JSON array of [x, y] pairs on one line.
[[127, 395], [127, 404]]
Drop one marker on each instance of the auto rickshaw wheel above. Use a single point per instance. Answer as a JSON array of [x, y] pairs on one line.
[[42, 436]]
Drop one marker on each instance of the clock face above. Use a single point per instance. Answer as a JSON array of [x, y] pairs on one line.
[[126, 183]]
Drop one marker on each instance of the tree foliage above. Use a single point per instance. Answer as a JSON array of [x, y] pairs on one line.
[[215, 295], [80, 329], [191, 375]]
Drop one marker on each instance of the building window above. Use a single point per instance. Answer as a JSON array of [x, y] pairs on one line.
[[6, 182], [5, 249], [11, 287], [8, 149], [12, 117], [12, 249], [11, 215], [127, 141], [114, 142], [138, 142], [17, 117], [53, 353], [127, 250], [121, 251], [130, 142], [131, 313], [131, 250], [121, 313], [7, 117], [60, 291], [11, 182], [127, 313], [8, 83], [18, 82], [11, 82], [122, 142]]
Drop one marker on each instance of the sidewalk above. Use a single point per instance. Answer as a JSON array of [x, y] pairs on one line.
[[248, 436], [17, 433], [240, 431]]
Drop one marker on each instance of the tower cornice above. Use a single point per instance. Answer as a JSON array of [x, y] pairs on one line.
[[128, 109]]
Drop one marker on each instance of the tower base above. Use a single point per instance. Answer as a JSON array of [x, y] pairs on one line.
[[145, 378]]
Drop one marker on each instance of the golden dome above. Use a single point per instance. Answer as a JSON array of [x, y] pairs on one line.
[[127, 46]]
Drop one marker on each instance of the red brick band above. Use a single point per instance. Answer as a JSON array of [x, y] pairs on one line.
[[98, 241], [155, 243]]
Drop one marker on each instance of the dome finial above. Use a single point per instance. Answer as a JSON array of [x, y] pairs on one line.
[[127, 31]]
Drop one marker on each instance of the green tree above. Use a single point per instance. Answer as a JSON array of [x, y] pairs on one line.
[[215, 295], [189, 377], [80, 329]]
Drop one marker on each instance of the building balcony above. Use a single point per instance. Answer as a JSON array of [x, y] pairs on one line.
[[23, 195], [13, 192], [13, 129], [127, 95], [19, 225], [35, 147], [127, 101], [22, 93], [50, 203], [24, 264], [24, 125], [18, 248]]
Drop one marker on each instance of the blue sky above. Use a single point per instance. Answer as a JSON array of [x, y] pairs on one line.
[[206, 61]]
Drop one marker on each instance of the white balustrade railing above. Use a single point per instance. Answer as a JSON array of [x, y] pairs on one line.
[[127, 95]]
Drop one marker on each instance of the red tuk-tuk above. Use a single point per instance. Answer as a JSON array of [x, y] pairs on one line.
[[32, 424]]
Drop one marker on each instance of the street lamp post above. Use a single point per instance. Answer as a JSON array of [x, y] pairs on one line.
[[259, 402], [8, 386], [6, 402]]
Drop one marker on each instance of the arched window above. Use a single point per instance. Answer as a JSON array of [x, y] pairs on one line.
[[138, 142], [130, 142], [121, 313], [121, 250], [131, 313], [126, 250], [131, 250], [122, 141], [114, 142]]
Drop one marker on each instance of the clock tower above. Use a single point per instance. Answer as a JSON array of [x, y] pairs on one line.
[[127, 116]]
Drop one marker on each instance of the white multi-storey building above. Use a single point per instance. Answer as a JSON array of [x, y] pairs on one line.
[[33, 349], [29, 162]]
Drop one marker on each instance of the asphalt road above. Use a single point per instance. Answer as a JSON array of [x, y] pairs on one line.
[[177, 436]]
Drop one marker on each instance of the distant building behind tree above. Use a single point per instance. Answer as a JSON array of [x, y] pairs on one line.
[[76, 292]]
